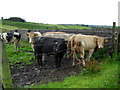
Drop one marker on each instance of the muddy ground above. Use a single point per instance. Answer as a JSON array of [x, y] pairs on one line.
[[35, 74]]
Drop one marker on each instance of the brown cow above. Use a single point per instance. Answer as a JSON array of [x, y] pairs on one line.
[[81, 43]]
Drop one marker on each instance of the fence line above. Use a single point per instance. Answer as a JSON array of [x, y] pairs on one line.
[[108, 33]]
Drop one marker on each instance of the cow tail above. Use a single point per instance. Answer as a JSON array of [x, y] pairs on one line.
[[71, 42]]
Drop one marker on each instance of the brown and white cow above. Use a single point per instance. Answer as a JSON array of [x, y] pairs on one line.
[[31, 36], [81, 43]]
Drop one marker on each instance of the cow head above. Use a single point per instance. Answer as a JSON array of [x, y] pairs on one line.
[[100, 41], [31, 36]]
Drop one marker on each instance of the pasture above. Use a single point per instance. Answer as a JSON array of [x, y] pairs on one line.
[[27, 74], [101, 72], [11, 25]]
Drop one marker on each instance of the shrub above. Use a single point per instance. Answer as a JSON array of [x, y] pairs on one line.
[[16, 19]]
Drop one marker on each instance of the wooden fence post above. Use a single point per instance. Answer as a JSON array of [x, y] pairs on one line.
[[6, 74], [0, 65], [119, 42], [115, 38]]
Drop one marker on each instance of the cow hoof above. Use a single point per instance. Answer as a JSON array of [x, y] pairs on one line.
[[74, 66], [83, 66], [39, 64], [58, 68], [79, 62]]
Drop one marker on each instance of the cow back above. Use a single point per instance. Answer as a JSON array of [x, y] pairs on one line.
[[49, 45]]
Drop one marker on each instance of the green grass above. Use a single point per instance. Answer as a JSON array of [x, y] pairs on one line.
[[107, 77], [7, 28], [30, 25], [22, 56]]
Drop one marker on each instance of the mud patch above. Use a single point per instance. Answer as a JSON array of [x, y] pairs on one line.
[[35, 74]]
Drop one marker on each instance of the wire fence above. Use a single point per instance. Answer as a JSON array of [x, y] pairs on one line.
[[49, 70]]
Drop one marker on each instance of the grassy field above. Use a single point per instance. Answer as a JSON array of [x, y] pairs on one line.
[[22, 56], [102, 75], [11, 25]]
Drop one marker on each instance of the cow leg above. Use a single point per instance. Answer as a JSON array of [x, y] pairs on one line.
[[73, 64], [60, 58], [43, 57], [15, 46], [67, 55], [32, 47], [56, 61], [18, 46], [39, 59], [38, 56], [74, 57], [90, 54], [82, 54]]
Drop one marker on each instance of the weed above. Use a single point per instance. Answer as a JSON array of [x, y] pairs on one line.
[[92, 67]]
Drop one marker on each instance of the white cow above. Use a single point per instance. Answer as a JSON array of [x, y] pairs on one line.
[[81, 43], [65, 36]]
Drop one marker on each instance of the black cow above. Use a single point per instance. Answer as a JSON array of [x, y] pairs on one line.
[[12, 38], [52, 46]]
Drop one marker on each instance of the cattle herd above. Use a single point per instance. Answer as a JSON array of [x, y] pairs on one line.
[[57, 44]]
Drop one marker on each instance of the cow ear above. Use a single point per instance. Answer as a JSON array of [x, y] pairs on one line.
[[35, 34], [96, 39], [66, 42], [55, 42], [27, 34], [106, 39]]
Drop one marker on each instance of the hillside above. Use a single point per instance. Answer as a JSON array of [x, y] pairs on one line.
[[11, 25]]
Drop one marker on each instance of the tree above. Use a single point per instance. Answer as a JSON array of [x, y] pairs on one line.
[[16, 19]]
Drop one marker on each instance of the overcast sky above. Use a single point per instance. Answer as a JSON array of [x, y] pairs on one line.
[[92, 12]]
